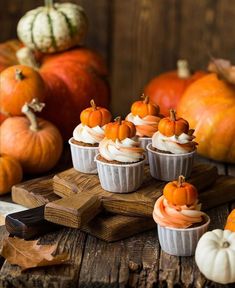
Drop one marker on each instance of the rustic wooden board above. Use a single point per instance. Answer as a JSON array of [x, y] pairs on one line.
[[139, 203]]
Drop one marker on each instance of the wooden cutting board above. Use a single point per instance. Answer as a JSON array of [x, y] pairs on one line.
[[83, 197]]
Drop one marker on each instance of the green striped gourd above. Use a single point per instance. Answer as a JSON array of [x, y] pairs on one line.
[[53, 27]]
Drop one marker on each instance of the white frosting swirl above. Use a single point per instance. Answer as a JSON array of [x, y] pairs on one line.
[[127, 150], [174, 144], [88, 135]]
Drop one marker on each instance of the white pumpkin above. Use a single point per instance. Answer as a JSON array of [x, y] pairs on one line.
[[215, 256], [53, 27]]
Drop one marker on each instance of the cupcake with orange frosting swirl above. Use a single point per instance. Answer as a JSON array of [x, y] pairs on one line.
[[120, 161], [87, 136], [145, 116], [180, 221], [172, 150]]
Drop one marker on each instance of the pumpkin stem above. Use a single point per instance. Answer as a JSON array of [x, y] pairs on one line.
[[26, 57], [49, 3], [225, 244], [183, 69], [146, 98], [118, 120], [172, 115], [28, 109], [93, 105], [19, 75], [181, 180]]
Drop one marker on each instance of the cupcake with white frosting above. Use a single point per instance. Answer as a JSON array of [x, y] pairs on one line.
[[172, 150], [121, 160], [87, 136], [179, 217], [145, 116]]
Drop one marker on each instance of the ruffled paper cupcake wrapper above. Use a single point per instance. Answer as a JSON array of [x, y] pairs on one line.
[[168, 167], [181, 242], [120, 178], [144, 141], [83, 158]]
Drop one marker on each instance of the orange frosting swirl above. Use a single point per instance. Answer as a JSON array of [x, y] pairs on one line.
[[146, 126], [168, 215]]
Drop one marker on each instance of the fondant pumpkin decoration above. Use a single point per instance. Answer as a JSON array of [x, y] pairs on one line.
[[215, 256], [73, 78], [34, 142], [119, 129], [144, 108], [95, 116], [180, 192], [173, 125], [167, 88], [19, 84], [230, 224], [209, 106], [54, 27], [10, 173]]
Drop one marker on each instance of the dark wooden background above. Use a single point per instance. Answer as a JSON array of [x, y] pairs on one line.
[[141, 38]]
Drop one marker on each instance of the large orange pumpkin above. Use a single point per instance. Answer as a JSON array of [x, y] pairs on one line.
[[19, 84], [34, 142], [230, 223], [10, 173], [166, 89], [73, 78], [209, 106]]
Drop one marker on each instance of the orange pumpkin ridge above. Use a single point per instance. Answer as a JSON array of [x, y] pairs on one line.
[[120, 129], [95, 116], [144, 108], [180, 192], [230, 223]]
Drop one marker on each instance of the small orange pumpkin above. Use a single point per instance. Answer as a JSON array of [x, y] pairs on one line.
[[120, 129], [230, 224], [173, 125], [34, 142], [19, 84], [144, 108], [10, 173], [95, 116], [180, 192]]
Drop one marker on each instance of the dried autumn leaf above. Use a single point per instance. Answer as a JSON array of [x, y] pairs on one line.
[[223, 68], [28, 254]]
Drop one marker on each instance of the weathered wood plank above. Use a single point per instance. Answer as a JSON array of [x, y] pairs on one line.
[[70, 241], [129, 263], [145, 34]]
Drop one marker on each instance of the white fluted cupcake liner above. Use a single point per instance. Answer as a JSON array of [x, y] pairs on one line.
[[83, 158], [144, 141], [168, 167], [181, 242], [120, 178]]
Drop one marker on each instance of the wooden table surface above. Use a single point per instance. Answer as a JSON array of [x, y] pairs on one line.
[[135, 262]]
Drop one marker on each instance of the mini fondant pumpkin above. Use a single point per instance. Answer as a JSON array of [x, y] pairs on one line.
[[173, 125], [180, 192], [144, 108], [19, 84], [34, 142], [167, 88], [95, 116], [119, 129], [10, 173], [215, 256], [230, 224], [54, 27]]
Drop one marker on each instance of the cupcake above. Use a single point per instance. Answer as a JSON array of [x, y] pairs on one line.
[[121, 160], [172, 150], [146, 117], [87, 136], [180, 221]]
